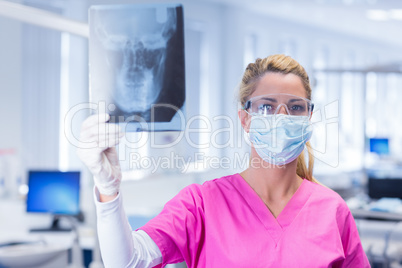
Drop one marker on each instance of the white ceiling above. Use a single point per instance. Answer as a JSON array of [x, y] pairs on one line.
[[347, 16]]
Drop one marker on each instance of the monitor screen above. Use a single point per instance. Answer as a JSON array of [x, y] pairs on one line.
[[53, 192], [379, 146]]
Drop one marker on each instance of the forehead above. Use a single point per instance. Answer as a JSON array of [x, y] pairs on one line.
[[273, 83]]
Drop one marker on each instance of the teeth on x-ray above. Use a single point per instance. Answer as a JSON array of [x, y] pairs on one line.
[[137, 61]]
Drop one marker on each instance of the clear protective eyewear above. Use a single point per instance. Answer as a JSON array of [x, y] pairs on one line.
[[271, 103]]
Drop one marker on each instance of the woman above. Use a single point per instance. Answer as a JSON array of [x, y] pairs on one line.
[[273, 214]]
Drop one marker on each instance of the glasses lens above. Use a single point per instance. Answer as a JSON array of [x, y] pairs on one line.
[[264, 106], [271, 104], [298, 107]]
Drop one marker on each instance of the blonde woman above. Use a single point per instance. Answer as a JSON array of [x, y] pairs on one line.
[[273, 214]]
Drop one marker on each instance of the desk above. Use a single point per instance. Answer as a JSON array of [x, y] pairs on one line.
[[380, 234], [375, 215], [15, 224], [34, 255]]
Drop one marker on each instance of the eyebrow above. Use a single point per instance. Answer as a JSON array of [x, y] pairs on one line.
[[274, 100], [295, 100], [270, 99]]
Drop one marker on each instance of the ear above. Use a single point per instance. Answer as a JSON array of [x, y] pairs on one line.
[[244, 119]]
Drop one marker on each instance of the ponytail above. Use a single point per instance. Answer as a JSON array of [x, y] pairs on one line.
[[302, 169]]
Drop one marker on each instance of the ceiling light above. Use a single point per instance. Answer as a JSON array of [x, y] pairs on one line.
[[348, 2], [396, 14], [377, 14]]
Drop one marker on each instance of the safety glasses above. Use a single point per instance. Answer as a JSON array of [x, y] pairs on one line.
[[271, 104]]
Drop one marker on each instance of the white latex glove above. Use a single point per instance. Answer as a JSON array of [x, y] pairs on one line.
[[97, 150]]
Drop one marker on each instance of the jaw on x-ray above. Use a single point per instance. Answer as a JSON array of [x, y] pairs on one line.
[[137, 63]]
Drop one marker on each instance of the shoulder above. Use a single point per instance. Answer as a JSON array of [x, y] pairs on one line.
[[209, 190], [197, 192], [329, 205], [328, 200], [221, 186], [225, 181], [324, 193]]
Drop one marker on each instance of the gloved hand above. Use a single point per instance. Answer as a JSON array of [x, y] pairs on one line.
[[97, 150]]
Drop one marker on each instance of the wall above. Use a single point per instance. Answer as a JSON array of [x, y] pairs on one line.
[[215, 61], [10, 84]]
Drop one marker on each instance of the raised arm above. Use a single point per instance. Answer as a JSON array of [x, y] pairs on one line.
[[120, 247]]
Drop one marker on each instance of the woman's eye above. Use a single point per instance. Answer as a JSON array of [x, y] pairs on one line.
[[297, 108], [265, 107]]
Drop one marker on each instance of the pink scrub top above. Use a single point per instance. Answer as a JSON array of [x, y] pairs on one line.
[[224, 223]]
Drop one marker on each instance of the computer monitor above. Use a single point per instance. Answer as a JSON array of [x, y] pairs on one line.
[[379, 146], [53, 192], [384, 187]]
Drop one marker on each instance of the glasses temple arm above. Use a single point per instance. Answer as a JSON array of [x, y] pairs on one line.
[[247, 105]]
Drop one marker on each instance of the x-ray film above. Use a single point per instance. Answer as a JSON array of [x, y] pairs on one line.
[[136, 64]]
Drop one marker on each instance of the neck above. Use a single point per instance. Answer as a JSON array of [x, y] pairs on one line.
[[272, 182]]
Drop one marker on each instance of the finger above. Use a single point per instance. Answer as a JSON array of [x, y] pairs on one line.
[[97, 144], [100, 142], [95, 120], [111, 154], [102, 129], [90, 157], [99, 130], [108, 141]]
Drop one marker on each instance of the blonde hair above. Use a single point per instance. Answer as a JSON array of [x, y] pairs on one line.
[[284, 65]]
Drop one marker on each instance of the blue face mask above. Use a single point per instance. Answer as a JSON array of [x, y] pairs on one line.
[[279, 139]]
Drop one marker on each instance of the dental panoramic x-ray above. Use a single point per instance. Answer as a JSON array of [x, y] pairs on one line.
[[137, 71]]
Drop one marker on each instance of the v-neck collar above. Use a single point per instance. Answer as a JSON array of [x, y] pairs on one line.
[[275, 226]]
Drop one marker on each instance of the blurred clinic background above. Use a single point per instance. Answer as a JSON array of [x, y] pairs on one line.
[[352, 50]]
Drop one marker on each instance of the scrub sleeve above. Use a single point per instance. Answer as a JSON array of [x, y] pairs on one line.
[[179, 229]]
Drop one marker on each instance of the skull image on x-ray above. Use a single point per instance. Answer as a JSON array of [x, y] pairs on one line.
[[139, 61]]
